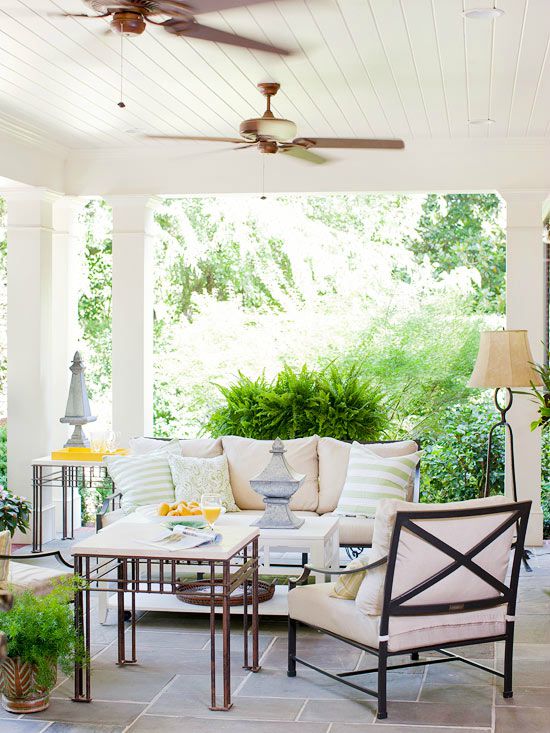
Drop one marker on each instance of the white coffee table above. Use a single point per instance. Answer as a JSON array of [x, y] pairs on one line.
[[318, 537]]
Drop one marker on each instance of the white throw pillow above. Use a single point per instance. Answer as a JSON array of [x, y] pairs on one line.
[[196, 476], [143, 479], [371, 477]]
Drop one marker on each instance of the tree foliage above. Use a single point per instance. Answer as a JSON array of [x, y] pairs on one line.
[[465, 230]]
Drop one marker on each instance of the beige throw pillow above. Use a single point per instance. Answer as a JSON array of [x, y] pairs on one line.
[[5, 546], [196, 476]]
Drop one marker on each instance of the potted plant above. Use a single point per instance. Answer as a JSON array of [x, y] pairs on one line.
[[542, 396], [41, 635], [14, 512]]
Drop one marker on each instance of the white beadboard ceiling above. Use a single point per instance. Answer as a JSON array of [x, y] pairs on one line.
[[384, 68]]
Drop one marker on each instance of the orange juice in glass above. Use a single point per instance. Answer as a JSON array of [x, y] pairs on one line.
[[211, 507]]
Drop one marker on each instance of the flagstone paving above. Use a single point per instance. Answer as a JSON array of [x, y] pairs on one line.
[[168, 690]]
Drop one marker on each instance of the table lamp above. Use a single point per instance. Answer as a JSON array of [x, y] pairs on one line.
[[504, 361]]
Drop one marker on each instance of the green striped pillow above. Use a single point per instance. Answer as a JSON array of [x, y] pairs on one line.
[[371, 477], [143, 479]]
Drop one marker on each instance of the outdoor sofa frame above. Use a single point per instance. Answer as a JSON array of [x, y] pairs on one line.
[[395, 606]]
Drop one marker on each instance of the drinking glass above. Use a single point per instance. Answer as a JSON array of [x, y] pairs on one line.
[[112, 440], [97, 441], [211, 507]]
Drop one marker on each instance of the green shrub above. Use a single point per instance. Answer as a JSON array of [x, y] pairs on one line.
[[453, 463], [339, 402], [3, 456], [40, 630]]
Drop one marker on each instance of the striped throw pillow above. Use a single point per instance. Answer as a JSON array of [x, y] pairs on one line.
[[347, 586], [5, 546], [371, 477], [144, 479]]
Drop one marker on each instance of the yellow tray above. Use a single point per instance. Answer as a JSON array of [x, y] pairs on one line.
[[84, 454]]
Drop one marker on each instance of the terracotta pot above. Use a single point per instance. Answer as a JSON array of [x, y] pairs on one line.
[[20, 693]]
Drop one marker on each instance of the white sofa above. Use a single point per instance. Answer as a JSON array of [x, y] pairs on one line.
[[324, 461]]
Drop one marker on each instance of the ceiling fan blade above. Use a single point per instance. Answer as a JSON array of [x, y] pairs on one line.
[[192, 29], [348, 142], [297, 151], [76, 15], [211, 6], [234, 140]]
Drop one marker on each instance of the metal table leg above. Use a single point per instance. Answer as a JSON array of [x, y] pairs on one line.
[[82, 681]]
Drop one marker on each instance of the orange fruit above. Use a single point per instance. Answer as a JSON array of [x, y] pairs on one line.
[[174, 505], [185, 512], [194, 503], [163, 509], [195, 511], [173, 513]]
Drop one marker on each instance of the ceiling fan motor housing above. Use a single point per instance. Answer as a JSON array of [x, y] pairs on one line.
[[128, 23], [266, 128]]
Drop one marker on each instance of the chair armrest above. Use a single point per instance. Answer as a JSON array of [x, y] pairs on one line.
[[108, 500], [308, 569], [34, 555]]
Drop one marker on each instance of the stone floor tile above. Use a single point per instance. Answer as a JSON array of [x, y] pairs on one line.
[[473, 715], [532, 629], [256, 708], [169, 639], [132, 683], [333, 660], [530, 673], [84, 728], [479, 651], [227, 724], [525, 651], [97, 712], [18, 725], [536, 697], [526, 720], [457, 694], [346, 711], [459, 673], [390, 728], [190, 692]]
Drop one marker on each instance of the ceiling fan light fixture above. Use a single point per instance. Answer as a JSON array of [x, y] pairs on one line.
[[481, 121], [128, 23], [269, 128], [483, 13]]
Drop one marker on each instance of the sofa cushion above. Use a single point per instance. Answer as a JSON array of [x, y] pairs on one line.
[[371, 477], [417, 556], [314, 605], [247, 457], [356, 531], [142, 479], [333, 467], [5, 547], [189, 447], [194, 477], [38, 579]]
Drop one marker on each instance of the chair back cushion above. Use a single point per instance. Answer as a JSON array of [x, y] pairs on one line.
[[247, 457], [5, 547], [371, 478], [333, 467], [417, 560]]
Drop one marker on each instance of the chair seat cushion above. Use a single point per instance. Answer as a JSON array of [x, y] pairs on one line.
[[314, 605], [112, 517], [356, 531], [38, 579]]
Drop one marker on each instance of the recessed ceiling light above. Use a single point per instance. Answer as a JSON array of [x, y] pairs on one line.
[[131, 131], [483, 13], [481, 121]]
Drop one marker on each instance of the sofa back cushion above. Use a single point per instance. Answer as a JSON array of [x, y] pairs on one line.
[[142, 479], [417, 560], [247, 457], [333, 467], [188, 447]]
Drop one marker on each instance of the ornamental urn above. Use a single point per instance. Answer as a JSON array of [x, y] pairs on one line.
[[277, 483], [78, 412]]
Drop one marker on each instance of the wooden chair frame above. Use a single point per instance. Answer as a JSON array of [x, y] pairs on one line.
[[518, 514]]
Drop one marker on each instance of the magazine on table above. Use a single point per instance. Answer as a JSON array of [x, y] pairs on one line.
[[178, 538]]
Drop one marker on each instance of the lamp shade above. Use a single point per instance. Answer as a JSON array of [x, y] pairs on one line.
[[504, 359]]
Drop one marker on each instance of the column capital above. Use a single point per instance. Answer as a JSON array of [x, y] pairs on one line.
[[133, 213], [524, 207], [30, 207], [65, 212]]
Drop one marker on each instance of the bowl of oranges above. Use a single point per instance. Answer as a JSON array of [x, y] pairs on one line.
[[187, 513]]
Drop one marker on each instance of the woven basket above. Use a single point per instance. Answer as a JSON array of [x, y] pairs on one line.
[[197, 592]]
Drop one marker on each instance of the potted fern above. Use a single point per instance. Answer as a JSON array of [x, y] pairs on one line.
[[41, 635], [542, 396]]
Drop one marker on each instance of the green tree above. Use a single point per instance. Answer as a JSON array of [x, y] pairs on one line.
[[465, 230]]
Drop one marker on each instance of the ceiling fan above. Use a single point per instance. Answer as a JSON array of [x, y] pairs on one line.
[[272, 134], [130, 18]]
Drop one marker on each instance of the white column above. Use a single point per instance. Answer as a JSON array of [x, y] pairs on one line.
[[65, 249], [525, 304], [132, 381], [30, 409]]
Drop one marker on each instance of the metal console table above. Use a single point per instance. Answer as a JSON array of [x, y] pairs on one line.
[[115, 557], [66, 476]]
